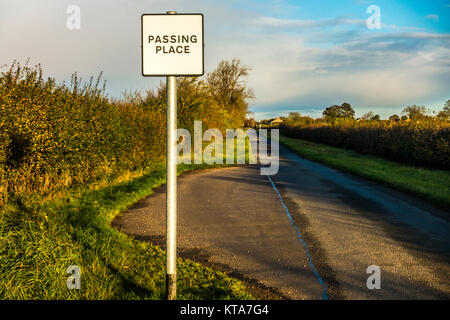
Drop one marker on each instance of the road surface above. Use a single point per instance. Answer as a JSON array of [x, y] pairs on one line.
[[309, 232]]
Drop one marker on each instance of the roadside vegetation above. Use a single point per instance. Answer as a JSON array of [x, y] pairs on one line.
[[57, 136], [71, 159], [40, 239], [415, 139], [410, 153], [428, 184]]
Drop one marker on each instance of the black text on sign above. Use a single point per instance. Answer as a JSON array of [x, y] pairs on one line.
[[172, 43]]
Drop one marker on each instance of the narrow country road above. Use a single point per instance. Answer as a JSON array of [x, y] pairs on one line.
[[305, 225]]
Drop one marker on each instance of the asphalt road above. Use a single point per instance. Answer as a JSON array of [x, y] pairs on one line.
[[305, 225]]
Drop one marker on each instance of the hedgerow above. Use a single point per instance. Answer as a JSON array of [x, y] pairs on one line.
[[56, 135], [422, 143]]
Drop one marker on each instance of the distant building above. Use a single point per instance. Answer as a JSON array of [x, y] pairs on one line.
[[276, 121]]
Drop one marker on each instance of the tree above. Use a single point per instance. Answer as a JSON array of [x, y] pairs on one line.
[[394, 118], [370, 116], [336, 112], [445, 113], [228, 88], [250, 123], [190, 102], [415, 112], [294, 116]]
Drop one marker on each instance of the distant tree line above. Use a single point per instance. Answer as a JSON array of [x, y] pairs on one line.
[[416, 137]]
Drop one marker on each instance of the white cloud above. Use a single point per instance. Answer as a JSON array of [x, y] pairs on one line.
[[298, 24], [434, 17], [319, 66]]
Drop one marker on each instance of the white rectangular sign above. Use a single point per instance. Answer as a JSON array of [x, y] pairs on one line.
[[172, 44]]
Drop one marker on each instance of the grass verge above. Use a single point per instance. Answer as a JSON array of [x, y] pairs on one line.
[[431, 185], [40, 238]]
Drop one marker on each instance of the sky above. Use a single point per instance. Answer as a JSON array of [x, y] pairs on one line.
[[304, 55]]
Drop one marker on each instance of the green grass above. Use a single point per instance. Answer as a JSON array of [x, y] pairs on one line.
[[431, 185], [40, 238]]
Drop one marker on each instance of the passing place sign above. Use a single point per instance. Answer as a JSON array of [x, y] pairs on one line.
[[172, 44]]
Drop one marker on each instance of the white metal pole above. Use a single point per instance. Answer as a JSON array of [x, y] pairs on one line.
[[171, 196]]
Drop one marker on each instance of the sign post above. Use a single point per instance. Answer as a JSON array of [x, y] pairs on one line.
[[171, 196], [172, 45]]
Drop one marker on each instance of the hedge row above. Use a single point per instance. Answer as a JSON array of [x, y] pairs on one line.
[[57, 135], [425, 143], [53, 136]]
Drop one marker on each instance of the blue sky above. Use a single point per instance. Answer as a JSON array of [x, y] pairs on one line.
[[401, 13], [305, 55]]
